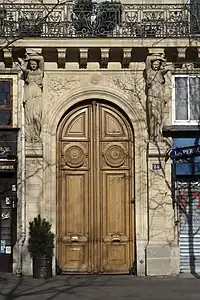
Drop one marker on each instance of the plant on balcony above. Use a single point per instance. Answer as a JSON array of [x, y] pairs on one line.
[[3, 13], [109, 16], [40, 247], [81, 17], [96, 19], [30, 25]]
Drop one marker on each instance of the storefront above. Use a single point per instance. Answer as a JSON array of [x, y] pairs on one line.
[[186, 189], [8, 198]]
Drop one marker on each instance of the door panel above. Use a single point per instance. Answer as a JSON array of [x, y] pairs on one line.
[[74, 239], [95, 233], [77, 125], [116, 222], [112, 125]]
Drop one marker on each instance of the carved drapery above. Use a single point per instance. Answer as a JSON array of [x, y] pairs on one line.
[[155, 101], [32, 66]]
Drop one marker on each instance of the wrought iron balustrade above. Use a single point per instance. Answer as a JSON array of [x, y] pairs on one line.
[[116, 20]]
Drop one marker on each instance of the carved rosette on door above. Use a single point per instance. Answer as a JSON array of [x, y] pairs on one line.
[[95, 182], [115, 155], [75, 155]]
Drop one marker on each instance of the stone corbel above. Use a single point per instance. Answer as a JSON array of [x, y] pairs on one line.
[[181, 53], [126, 57], [104, 57], [61, 57], [198, 51], [7, 54], [83, 60]]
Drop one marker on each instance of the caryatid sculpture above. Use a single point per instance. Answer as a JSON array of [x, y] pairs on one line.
[[33, 71], [155, 80]]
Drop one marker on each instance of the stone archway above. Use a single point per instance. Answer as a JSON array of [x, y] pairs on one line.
[[75, 96]]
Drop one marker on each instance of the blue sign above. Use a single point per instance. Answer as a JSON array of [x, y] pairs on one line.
[[184, 152]]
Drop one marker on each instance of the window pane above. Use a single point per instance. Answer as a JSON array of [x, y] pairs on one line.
[[4, 92], [5, 117], [181, 98], [194, 89]]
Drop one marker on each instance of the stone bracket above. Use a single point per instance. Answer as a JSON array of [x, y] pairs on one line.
[[83, 59], [105, 53], [126, 57], [61, 57], [198, 50], [7, 54], [181, 53]]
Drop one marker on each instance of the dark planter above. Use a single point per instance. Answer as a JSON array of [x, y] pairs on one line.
[[42, 267]]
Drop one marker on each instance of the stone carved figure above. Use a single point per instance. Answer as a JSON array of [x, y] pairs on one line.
[[33, 72], [155, 80]]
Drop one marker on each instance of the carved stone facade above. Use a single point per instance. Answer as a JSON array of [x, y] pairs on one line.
[[103, 84], [62, 89]]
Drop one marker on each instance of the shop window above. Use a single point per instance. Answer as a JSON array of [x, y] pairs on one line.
[[186, 99], [5, 103]]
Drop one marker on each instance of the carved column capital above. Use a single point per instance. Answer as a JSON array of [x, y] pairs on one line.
[[61, 52]]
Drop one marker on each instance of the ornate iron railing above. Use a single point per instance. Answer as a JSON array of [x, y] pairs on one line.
[[114, 20]]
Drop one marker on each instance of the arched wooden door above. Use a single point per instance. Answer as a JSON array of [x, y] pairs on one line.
[[95, 191]]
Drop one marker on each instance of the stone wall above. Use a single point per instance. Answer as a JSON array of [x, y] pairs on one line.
[[156, 242]]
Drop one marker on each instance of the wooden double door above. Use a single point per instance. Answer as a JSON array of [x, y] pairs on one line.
[[95, 232]]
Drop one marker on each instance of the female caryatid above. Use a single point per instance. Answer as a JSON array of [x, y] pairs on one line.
[[154, 75], [33, 72]]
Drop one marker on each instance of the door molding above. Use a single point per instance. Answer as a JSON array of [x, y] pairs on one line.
[[95, 227], [122, 101]]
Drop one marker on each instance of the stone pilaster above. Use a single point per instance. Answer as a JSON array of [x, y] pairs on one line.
[[162, 251]]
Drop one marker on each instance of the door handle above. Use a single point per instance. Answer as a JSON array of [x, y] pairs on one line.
[[116, 239], [74, 239]]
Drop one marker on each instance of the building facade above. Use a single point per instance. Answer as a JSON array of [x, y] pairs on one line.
[[92, 97]]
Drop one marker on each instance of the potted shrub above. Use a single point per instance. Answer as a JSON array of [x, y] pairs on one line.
[[40, 247]]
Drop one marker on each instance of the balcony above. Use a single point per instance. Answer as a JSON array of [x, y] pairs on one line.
[[100, 21]]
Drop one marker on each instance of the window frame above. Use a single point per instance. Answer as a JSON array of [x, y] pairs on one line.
[[188, 121], [10, 106]]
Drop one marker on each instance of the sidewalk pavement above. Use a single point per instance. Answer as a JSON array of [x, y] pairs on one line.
[[103, 287]]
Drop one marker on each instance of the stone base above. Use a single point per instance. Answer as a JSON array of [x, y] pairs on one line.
[[162, 259], [141, 261]]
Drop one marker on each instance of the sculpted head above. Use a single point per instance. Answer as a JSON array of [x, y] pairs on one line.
[[33, 64], [156, 64]]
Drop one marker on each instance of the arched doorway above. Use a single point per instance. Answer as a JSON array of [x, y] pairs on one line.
[[95, 211]]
